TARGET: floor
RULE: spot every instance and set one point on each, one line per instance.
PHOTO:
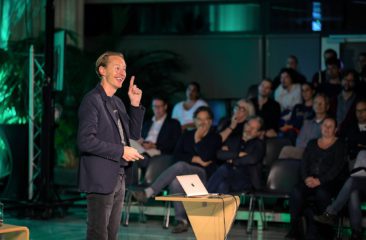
(72, 227)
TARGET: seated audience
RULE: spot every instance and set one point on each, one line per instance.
(302, 111)
(331, 86)
(293, 63)
(355, 133)
(183, 111)
(159, 134)
(352, 192)
(311, 128)
(196, 154)
(322, 167)
(242, 158)
(267, 108)
(234, 126)
(343, 105)
(288, 94)
(321, 76)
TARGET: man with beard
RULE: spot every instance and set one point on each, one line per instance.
(343, 106)
(242, 157)
(267, 108)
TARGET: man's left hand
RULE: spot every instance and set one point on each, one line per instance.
(134, 93)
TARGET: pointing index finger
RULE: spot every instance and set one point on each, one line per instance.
(132, 81)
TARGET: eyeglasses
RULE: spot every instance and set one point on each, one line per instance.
(360, 110)
(239, 108)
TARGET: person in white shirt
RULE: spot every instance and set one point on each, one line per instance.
(288, 94)
(159, 134)
(183, 111)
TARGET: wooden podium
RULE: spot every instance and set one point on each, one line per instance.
(210, 217)
(12, 232)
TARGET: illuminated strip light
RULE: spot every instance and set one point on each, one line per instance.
(316, 23)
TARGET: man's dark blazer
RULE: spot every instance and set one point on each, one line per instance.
(99, 140)
(168, 136)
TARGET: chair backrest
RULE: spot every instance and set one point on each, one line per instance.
(156, 166)
(284, 175)
(273, 149)
(220, 109)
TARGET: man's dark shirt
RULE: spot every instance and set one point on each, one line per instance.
(168, 136)
(206, 149)
(354, 138)
(270, 112)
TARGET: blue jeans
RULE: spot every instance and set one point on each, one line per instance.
(168, 177)
(105, 212)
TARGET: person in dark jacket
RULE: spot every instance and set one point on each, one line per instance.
(242, 157)
(103, 140)
(322, 173)
(196, 154)
(160, 134)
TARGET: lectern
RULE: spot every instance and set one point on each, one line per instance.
(13, 232)
(211, 217)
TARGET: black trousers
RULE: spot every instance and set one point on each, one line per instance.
(105, 212)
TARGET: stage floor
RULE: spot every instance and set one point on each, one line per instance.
(73, 226)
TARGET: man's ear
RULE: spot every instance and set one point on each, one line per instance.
(101, 71)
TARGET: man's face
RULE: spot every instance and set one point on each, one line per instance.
(306, 92)
(333, 71)
(291, 63)
(328, 56)
(251, 129)
(286, 80)
(203, 120)
(361, 112)
(159, 108)
(192, 92)
(240, 111)
(320, 106)
(328, 128)
(348, 83)
(265, 89)
(115, 72)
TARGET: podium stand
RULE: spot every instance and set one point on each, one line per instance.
(12, 232)
(210, 217)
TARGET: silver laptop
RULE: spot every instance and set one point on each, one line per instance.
(192, 185)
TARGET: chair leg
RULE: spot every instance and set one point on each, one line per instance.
(262, 212)
(339, 228)
(126, 215)
(142, 217)
(251, 214)
(167, 215)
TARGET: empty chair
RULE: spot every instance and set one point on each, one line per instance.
(273, 149)
(283, 176)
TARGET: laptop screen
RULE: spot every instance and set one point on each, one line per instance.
(192, 185)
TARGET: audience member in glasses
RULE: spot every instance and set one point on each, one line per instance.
(322, 173)
(183, 111)
(196, 154)
(267, 108)
(232, 127)
(160, 134)
(242, 159)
